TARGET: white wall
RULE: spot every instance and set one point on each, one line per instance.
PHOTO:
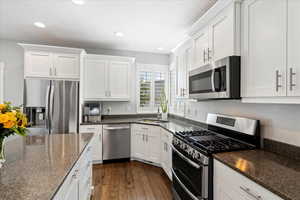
(12, 56)
(141, 58)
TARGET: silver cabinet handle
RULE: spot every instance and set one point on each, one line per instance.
(204, 56)
(208, 53)
(55, 71)
(50, 71)
(277, 80)
(146, 138)
(291, 79)
(248, 191)
(143, 137)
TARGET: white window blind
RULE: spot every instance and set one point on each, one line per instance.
(159, 87)
(145, 89)
(151, 85)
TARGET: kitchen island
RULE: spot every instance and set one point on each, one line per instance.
(36, 167)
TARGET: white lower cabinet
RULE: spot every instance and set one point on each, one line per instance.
(96, 141)
(166, 152)
(78, 183)
(145, 143)
(230, 185)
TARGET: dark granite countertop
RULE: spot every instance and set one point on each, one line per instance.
(172, 125)
(276, 173)
(36, 166)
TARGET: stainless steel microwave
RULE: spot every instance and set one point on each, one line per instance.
(223, 81)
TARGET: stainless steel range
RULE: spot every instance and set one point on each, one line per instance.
(192, 153)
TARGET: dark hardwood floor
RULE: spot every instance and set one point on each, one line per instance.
(130, 181)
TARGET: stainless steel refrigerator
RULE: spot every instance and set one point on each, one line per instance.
(52, 106)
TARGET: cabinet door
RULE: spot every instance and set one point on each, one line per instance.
(153, 145)
(293, 69)
(222, 33)
(96, 142)
(200, 47)
(66, 65)
(38, 64)
(180, 74)
(139, 145)
(95, 75)
(264, 48)
(118, 80)
(72, 192)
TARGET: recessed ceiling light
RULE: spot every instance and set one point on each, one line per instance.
(40, 24)
(160, 48)
(119, 34)
(78, 2)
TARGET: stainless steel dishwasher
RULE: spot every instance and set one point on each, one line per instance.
(116, 141)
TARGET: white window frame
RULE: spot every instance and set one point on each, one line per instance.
(151, 68)
(1, 82)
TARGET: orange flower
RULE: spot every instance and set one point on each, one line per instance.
(2, 107)
(9, 124)
(4, 118)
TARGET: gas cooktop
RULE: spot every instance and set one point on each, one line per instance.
(211, 142)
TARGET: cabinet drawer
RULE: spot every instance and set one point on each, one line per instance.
(90, 129)
(231, 180)
(141, 127)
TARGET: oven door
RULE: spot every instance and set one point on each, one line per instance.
(190, 179)
(202, 83)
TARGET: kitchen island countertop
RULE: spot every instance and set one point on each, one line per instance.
(36, 166)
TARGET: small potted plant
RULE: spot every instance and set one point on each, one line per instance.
(164, 106)
(12, 121)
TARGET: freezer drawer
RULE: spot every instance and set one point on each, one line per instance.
(116, 141)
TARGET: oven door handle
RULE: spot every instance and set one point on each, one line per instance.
(195, 165)
(183, 186)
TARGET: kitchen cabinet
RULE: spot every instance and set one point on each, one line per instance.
(200, 48)
(264, 48)
(230, 185)
(270, 64)
(145, 143)
(49, 62)
(216, 35)
(183, 64)
(293, 60)
(66, 65)
(78, 184)
(96, 142)
(107, 78)
(166, 152)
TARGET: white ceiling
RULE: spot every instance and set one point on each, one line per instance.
(147, 24)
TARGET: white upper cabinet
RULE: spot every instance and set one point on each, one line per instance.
(200, 48)
(270, 46)
(183, 64)
(216, 34)
(264, 48)
(293, 66)
(107, 78)
(225, 32)
(66, 65)
(94, 81)
(50, 62)
(119, 74)
(38, 64)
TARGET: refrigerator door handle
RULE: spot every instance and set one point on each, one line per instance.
(51, 99)
(47, 108)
